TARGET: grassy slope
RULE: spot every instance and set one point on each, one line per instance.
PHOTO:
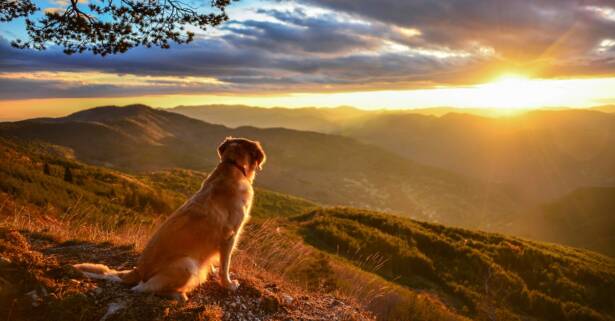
(103, 194)
(400, 269)
(481, 274)
(544, 153)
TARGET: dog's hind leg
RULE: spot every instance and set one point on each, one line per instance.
(175, 280)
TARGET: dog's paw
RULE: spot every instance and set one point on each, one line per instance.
(231, 285)
(180, 297)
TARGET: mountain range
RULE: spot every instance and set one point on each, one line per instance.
(329, 169)
(543, 153)
(497, 174)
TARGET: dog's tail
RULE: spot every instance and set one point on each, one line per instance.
(103, 272)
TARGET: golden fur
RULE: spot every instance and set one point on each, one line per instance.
(178, 256)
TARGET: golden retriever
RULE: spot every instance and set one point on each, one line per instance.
(178, 256)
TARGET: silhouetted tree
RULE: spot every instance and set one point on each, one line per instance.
(46, 169)
(112, 26)
(68, 175)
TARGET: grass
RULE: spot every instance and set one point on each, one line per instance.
(483, 275)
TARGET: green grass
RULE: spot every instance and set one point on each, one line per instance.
(102, 194)
(481, 274)
(98, 194)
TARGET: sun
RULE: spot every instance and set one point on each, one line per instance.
(510, 91)
(511, 81)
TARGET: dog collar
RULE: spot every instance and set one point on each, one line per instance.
(239, 167)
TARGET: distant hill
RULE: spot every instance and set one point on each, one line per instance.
(484, 276)
(544, 153)
(328, 169)
(324, 120)
(605, 108)
(583, 218)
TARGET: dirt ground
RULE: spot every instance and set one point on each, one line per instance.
(37, 282)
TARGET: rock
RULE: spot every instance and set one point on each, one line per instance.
(269, 304)
(34, 298)
(287, 299)
(112, 309)
(5, 261)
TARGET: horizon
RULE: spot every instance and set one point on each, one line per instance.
(437, 111)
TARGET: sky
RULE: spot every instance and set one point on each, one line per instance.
(364, 53)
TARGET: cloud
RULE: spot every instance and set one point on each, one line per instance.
(341, 45)
(519, 30)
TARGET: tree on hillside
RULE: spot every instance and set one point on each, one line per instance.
(111, 26)
(68, 175)
(46, 169)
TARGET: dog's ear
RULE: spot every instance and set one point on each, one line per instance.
(258, 155)
(224, 145)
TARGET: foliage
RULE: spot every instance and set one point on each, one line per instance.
(112, 26)
(482, 274)
(11, 9)
(99, 193)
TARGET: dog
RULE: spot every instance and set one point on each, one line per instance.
(178, 256)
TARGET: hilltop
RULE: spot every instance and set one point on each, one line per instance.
(323, 168)
(297, 259)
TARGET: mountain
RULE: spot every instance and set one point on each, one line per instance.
(545, 154)
(328, 169)
(324, 120)
(583, 218)
(605, 108)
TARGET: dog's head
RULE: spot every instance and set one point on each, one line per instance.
(245, 152)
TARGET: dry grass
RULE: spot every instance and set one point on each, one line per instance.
(265, 246)
(70, 226)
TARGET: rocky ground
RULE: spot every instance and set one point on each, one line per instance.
(37, 282)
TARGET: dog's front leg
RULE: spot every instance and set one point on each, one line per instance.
(226, 250)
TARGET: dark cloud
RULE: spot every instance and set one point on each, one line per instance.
(518, 30)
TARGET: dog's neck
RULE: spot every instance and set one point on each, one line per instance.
(239, 167)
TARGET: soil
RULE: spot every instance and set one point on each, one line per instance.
(38, 282)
